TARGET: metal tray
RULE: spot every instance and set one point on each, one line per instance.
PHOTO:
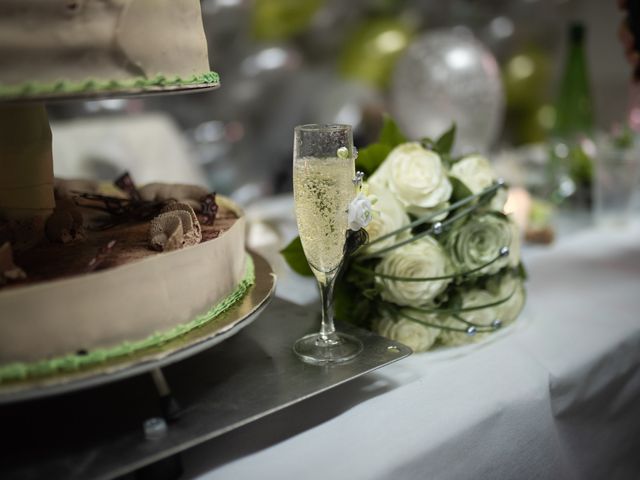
(97, 433)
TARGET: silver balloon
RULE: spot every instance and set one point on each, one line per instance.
(445, 76)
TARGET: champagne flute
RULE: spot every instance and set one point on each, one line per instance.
(323, 188)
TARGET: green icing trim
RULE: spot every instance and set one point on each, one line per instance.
(73, 362)
(93, 85)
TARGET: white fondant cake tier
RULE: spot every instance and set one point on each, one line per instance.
(126, 303)
(69, 42)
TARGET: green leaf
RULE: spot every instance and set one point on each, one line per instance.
(454, 160)
(460, 190)
(370, 158)
(294, 256)
(391, 134)
(455, 301)
(522, 271)
(445, 142)
(350, 306)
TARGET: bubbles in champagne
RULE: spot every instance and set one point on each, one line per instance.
(322, 190)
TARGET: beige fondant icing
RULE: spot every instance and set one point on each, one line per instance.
(125, 303)
(48, 41)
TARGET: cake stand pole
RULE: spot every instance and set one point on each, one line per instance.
(170, 407)
(26, 167)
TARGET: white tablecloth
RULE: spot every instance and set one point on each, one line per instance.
(558, 397)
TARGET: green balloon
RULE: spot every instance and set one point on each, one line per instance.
(371, 51)
(533, 124)
(526, 77)
(281, 19)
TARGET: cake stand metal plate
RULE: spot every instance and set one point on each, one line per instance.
(217, 330)
(115, 93)
(97, 433)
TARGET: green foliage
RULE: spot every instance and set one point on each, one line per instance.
(351, 306)
(356, 295)
(444, 144)
(370, 157)
(460, 190)
(294, 256)
(390, 133)
(522, 271)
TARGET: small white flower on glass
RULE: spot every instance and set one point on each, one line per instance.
(360, 212)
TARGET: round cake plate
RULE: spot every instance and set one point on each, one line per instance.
(116, 93)
(217, 330)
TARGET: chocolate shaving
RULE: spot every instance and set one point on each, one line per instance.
(125, 183)
(101, 256)
(122, 210)
(209, 209)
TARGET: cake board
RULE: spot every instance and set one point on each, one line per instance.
(123, 92)
(215, 331)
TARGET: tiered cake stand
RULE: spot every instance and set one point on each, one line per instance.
(200, 388)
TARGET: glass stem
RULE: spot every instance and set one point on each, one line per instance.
(327, 329)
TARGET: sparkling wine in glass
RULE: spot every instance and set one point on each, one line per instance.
(323, 188)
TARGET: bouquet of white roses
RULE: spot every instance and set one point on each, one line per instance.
(441, 264)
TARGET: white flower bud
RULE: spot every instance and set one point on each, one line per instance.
(359, 213)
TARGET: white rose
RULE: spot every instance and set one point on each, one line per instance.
(415, 176)
(359, 214)
(419, 338)
(478, 242)
(380, 177)
(476, 173)
(483, 316)
(388, 216)
(421, 258)
(508, 311)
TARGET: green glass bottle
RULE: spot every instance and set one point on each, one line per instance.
(570, 159)
(574, 107)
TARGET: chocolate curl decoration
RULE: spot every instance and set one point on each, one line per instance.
(125, 183)
(209, 209)
(101, 256)
(122, 210)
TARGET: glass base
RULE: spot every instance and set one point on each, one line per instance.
(319, 350)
